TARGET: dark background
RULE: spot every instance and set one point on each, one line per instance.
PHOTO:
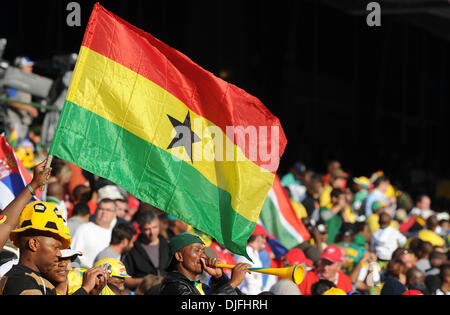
(375, 98)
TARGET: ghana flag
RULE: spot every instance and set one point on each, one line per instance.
(146, 117)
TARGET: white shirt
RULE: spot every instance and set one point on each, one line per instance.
(440, 292)
(253, 283)
(385, 241)
(90, 239)
(298, 192)
(375, 273)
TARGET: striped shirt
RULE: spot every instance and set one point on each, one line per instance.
(21, 280)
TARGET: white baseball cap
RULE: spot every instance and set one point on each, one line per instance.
(70, 253)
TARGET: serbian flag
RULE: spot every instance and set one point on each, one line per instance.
(279, 218)
(13, 175)
(149, 119)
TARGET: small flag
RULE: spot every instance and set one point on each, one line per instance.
(13, 175)
(280, 219)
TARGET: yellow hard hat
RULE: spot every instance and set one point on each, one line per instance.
(117, 267)
(335, 291)
(42, 216)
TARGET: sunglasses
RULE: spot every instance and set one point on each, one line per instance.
(403, 252)
(71, 258)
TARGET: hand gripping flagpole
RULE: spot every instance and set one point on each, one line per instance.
(47, 165)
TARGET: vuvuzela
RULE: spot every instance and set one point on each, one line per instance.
(294, 273)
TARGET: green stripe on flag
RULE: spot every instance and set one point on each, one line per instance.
(150, 174)
(270, 218)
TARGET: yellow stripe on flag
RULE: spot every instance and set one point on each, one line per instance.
(127, 99)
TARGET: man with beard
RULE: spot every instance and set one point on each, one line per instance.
(122, 241)
(188, 261)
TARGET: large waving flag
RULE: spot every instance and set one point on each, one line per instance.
(279, 218)
(13, 175)
(146, 117)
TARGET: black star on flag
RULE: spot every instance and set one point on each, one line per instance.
(185, 137)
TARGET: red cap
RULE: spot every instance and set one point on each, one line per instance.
(259, 230)
(297, 256)
(413, 292)
(332, 253)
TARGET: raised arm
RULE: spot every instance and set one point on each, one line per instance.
(14, 209)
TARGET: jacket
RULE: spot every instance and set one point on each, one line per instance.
(138, 264)
(177, 284)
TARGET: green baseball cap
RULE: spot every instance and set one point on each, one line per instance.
(378, 205)
(359, 240)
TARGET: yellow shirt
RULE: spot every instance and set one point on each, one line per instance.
(350, 215)
(107, 291)
(299, 209)
(325, 197)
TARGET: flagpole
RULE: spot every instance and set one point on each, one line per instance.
(47, 165)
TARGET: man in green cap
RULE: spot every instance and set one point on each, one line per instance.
(188, 261)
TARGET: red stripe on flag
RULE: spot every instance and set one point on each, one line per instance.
(208, 96)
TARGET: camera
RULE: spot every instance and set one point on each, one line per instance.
(13, 77)
(49, 91)
(107, 267)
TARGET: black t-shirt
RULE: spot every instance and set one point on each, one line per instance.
(310, 204)
(393, 287)
(21, 280)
